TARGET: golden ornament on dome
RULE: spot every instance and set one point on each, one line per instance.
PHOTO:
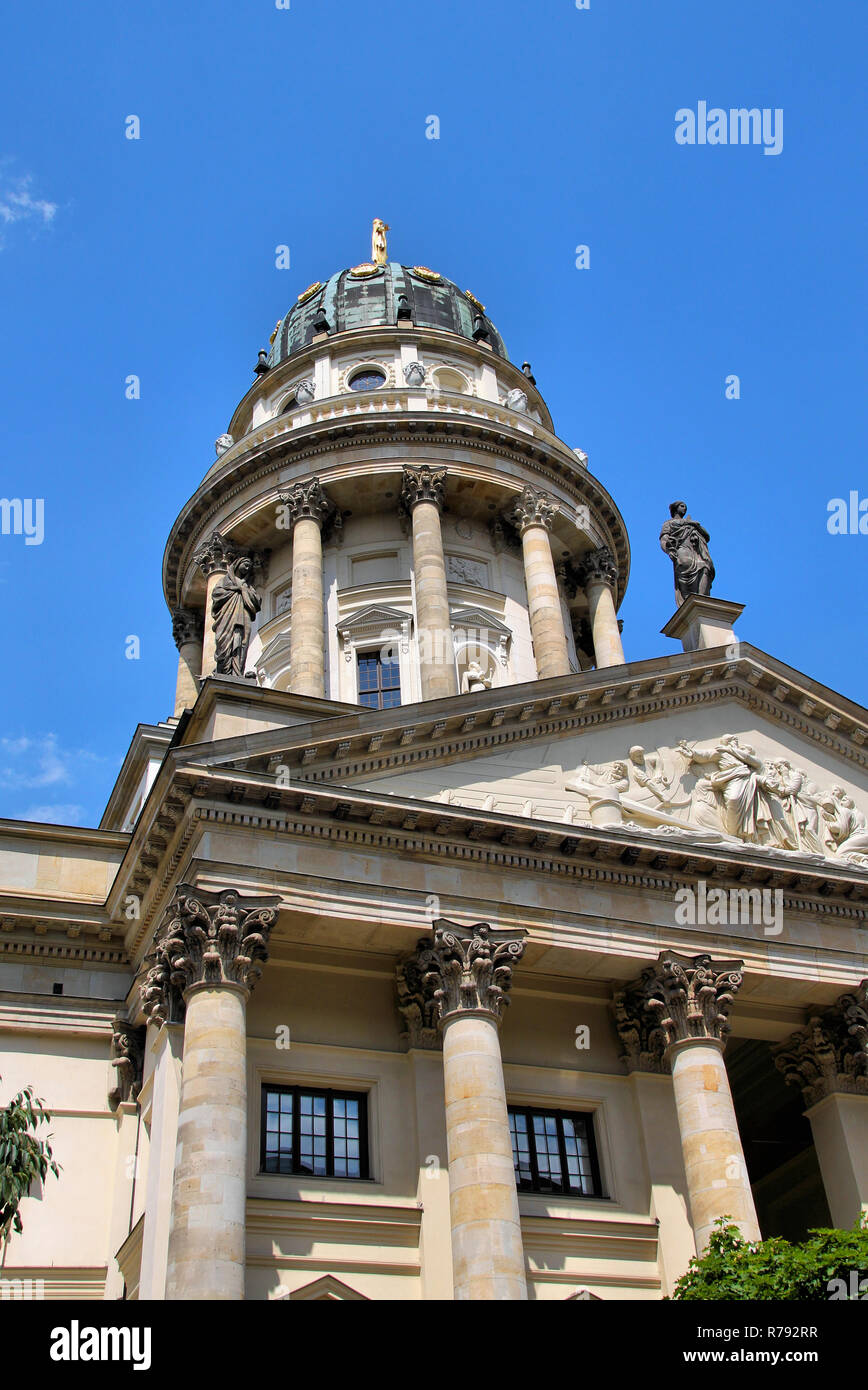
(366, 268)
(473, 300)
(425, 274)
(311, 289)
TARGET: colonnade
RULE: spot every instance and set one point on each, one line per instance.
(456, 985)
(307, 509)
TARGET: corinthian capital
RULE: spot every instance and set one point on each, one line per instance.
(598, 567)
(207, 939)
(128, 1056)
(305, 501)
(638, 1027)
(467, 969)
(830, 1054)
(532, 508)
(422, 484)
(187, 626)
(690, 996)
(215, 555)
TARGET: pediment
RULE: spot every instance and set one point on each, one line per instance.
(374, 618)
(794, 782)
(328, 1289)
(476, 618)
(718, 775)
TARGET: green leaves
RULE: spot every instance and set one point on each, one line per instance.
(24, 1157)
(733, 1268)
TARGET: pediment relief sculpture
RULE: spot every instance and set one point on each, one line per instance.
(725, 791)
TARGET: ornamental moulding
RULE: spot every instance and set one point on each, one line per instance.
(459, 970)
(206, 939)
(554, 466)
(678, 999)
(829, 1055)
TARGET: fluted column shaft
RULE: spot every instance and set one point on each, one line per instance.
(679, 1011)
(487, 1251)
(532, 514)
(209, 1193)
(308, 508)
(422, 496)
(188, 632)
(714, 1162)
(207, 958)
(600, 578)
(466, 973)
(307, 657)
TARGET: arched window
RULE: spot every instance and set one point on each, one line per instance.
(368, 379)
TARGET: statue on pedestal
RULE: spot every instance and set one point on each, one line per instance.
(233, 609)
(686, 544)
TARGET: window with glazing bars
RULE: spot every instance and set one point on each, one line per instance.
(379, 681)
(314, 1132)
(554, 1151)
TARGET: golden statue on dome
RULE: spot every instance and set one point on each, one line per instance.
(379, 254)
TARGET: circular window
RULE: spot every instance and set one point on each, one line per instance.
(368, 379)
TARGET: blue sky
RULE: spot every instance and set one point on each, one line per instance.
(261, 127)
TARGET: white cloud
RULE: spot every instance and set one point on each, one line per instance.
(40, 762)
(62, 813)
(17, 203)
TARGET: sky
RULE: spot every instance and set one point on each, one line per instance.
(262, 126)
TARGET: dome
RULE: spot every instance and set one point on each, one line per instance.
(369, 296)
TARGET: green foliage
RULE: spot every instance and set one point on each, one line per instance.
(23, 1156)
(734, 1268)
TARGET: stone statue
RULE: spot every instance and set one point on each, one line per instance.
(378, 242)
(847, 826)
(222, 443)
(233, 609)
(647, 774)
(475, 678)
(738, 780)
(686, 544)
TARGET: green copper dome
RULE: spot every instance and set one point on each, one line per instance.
(370, 296)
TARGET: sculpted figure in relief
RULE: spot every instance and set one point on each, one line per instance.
(234, 607)
(848, 827)
(475, 678)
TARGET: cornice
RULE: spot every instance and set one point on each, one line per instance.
(367, 744)
(551, 461)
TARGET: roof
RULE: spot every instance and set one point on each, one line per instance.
(369, 295)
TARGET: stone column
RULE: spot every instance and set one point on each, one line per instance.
(600, 578)
(210, 949)
(188, 632)
(532, 515)
(650, 1082)
(828, 1061)
(466, 972)
(308, 509)
(422, 496)
(688, 999)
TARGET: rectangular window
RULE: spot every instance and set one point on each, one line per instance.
(553, 1151)
(379, 681)
(316, 1133)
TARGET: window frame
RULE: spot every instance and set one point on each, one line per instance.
(535, 1189)
(331, 1094)
(362, 653)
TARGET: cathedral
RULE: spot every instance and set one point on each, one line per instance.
(434, 947)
